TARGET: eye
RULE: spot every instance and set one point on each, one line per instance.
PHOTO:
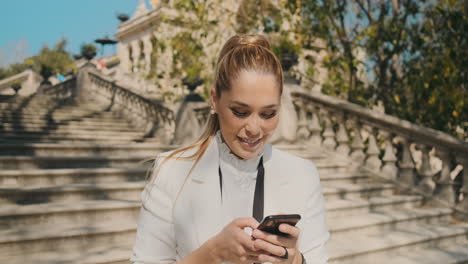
(238, 113)
(268, 115)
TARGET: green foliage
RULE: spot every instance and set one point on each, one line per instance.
(285, 46)
(187, 52)
(435, 71)
(88, 51)
(47, 62)
(409, 55)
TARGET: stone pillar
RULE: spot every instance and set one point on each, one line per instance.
(406, 164)
(427, 184)
(462, 207)
(342, 136)
(328, 134)
(389, 169)
(357, 147)
(373, 162)
(148, 47)
(444, 190)
(315, 128)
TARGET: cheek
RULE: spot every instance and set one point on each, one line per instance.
(228, 121)
(271, 124)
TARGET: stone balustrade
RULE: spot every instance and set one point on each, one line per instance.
(157, 120)
(62, 90)
(202, 114)
(386, 146)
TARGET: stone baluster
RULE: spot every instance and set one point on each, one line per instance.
(372, 162)
(328, 134)
(444, 189)
(427, 184)
(314, 127)
(406, 164)
(342, 136)
(302, 131)
(462, 207)
(389, 169)
(357, 146)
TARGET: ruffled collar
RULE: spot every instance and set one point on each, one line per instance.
(227, 157)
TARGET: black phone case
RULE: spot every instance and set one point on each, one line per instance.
(271, 223)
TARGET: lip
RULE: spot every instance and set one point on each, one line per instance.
(249, 143)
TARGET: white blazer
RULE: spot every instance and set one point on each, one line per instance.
(172, 225)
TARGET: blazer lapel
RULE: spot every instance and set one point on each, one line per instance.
(206, 203)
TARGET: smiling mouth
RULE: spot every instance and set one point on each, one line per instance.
(250, 142)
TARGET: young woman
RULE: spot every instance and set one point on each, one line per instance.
(199, 204)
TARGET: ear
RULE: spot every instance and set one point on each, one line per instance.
(213, 98)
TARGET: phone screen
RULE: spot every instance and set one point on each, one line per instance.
(271, 223)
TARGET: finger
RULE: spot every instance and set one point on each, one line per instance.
(246, 222)
(272, 249)
(288, 241)
(289, 229)
(269, 258)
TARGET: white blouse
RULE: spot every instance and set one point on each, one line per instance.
(238, 182)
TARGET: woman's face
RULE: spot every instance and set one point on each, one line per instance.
(248, 113)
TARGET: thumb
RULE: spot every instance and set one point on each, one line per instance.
(246, 222)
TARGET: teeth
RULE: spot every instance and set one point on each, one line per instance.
(250, 141)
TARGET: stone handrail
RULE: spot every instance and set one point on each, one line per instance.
(385, 145)
(61, 90)
(157, 120)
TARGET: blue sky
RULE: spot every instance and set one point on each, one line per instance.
(26, 25)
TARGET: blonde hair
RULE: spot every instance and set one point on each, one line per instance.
(240, 52)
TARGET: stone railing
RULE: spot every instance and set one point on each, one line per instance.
(62, 90)
(386, 146)
(157, 120)
(202, 114)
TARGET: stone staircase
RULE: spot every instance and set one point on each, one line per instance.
(71, 176)
(370, 222)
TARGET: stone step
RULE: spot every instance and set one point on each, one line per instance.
(82, 212)
(11, 138)
(365, 248)
(91, 161)
(68, 125)
(59, 113)
(350, 207)
(55, 110)
(384, 220)
(351, 191)
(428, 255)
(63, 127)
(66, 238)
(79, 133)
(56, 177)
(111, 255)
(84, 149)
(48, 162)
(128, 191)
(339, 178)
(94, 121)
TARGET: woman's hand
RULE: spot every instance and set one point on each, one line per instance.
(274, 246)
(233, 244)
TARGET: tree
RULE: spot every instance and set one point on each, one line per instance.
(403, 45)
(47, 62)
(88, 51)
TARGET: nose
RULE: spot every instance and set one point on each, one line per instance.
(253, 126)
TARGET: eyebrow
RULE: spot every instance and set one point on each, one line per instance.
(246, 105)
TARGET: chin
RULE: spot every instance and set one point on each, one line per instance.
(249, 150)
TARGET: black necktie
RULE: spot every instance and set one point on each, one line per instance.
(258, 195)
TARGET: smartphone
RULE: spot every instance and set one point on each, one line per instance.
(271, 223)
